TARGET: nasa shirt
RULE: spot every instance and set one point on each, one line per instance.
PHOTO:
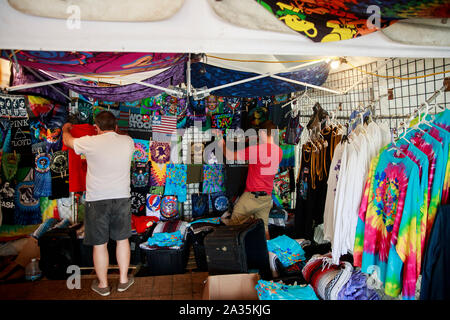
(7, 202)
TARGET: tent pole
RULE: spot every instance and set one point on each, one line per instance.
(306, 84)
(51, 86)
(167, 90)
(261, 75)
(188, 76)
(40, 84)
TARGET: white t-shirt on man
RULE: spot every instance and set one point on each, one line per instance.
(108, 157)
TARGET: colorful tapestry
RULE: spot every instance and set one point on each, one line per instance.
(215, 76)
(140, 174)
(175, 75)
(141, 149)
(281, 193)
(27, 210)
(199, 205)
(42, 176)
(159, 152)
(232, 104)
(222, 121)
(214, 104)
(157, 174)
(83, 62)
(176, 181)
(169, 208)
(219, 203)
(39, 105)
(213, 178)
(153, 206)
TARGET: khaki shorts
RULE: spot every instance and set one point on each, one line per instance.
(249, 206)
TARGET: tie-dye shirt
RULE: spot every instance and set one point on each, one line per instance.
(443, 137)
(390, 223)
(436, 171)
(421, 160)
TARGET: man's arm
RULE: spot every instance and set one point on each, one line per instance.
(67, 136)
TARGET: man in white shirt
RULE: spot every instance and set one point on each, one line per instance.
(108, 216)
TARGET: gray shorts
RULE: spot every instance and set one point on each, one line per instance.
(107, 219)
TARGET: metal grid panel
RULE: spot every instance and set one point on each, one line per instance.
(408, 95)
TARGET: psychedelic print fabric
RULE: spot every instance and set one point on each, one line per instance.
(141, 150)
(140, 174)
(157, 174)
(390, 235)
(213, 178)
(323, 21)
(153, 205)
(159, 152)
(83, 62)
(176, 181)
(281, 193)
(169, 208)
(199, 205)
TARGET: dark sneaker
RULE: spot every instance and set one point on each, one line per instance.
(101, 291)
(124, 286)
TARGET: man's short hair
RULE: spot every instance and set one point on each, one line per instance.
(105, 120)
(268, 126)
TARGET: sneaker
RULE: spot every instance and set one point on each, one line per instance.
(101, 291)
(124, 286)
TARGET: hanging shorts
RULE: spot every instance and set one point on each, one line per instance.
(107, 219)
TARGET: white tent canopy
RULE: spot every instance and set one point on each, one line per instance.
(195, 27)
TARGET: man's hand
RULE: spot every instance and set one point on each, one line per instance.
(67, 136)
(67, 127)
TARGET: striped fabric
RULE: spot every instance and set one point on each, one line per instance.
(164, 124)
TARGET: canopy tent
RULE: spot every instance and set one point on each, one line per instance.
(195, 27)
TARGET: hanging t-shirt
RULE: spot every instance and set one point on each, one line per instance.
(7, 202)
(390, 236)
(59, 171)
(333, 177)
(78, 164)
(433, 149)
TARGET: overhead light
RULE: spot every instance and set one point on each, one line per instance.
(335, 64)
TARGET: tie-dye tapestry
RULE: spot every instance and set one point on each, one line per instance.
(83, 62)
(325, 21)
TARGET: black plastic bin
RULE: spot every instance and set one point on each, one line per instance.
(238, 249)
(167, 261)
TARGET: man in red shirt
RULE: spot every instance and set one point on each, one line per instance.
(264, 159)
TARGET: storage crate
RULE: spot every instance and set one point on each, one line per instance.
(167, 261)
(238, 249)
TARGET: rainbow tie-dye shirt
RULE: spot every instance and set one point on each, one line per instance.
(389, 227)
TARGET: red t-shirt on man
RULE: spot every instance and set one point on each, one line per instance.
(264, 160)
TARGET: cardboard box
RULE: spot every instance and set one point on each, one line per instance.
(239, 286)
